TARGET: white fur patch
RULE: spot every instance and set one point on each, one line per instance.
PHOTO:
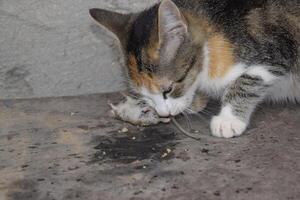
(156, 101)
(285, 89)
(226, 125)
(178, 105)
(170, 106)
(262, 72)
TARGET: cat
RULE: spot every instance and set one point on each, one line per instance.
(242, 52)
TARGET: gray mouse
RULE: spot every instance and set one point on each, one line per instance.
(137, 112)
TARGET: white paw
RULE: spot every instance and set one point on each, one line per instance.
(227, 125)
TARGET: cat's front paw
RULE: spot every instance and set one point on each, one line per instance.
(227, 125)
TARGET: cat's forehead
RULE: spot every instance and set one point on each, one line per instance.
(139, 77)
(143, 38)
(141, 28)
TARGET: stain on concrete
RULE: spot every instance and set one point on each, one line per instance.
(14, 80)
(23, 190)
(98, 126)
(150, 143)
(17, 73)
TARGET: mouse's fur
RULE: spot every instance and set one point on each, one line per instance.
(137, 112)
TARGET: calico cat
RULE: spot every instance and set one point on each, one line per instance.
(240, 51)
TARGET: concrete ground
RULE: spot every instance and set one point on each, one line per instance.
(70, 148)
(53, 48)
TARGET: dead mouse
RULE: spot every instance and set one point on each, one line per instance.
(137, 112)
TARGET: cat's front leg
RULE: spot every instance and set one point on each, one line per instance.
(239, 101)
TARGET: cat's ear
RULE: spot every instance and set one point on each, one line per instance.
(115, 22)
(172, 29)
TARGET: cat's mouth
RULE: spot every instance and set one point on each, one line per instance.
(169, 108)
(164, 113)
(165, 116)
(168, 112)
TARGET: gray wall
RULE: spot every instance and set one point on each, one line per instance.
(53, 48)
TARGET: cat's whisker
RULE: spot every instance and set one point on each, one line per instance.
(189, 110)
(213, 109)
(203, 118)
(207, 112)
(185, 132)
(188, 120)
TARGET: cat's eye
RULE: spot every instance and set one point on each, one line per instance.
(167, 91)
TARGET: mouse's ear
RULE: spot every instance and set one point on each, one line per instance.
(115, 22)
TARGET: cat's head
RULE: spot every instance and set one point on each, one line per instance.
(164, 55)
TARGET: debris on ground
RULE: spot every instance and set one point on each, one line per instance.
(124, 130)
(166, 153)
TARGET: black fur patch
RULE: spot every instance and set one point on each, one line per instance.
(140, 33)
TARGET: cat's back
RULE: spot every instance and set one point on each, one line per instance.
(237, 8)
(243, 14)
(263, 31)
(234, 16)
(273, 32)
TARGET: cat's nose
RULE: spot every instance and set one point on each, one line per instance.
(162, 110)
(164, 114)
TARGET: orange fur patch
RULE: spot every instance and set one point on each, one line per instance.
(153, 53)
(221, 56)
(199, 27)
(153, 46)
(140, 78)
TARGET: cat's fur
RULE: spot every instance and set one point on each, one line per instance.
(241, 51)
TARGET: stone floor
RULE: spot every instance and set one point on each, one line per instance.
(70, 148)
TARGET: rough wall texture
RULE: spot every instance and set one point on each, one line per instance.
(53, 48)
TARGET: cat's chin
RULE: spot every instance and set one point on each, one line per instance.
(171, 112)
